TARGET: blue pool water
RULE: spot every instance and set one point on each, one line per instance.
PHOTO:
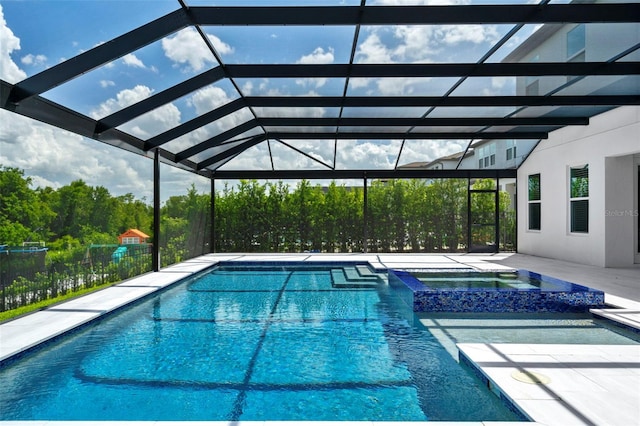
(254, 344)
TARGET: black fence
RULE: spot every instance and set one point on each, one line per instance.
(30, 276)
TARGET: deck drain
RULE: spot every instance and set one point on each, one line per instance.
(530, 377)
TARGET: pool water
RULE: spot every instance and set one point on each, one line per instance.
(521, 280)
(251, 344)
(542, 328)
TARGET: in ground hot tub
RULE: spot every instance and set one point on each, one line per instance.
(518, 291)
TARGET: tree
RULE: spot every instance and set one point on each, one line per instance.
(73, 209)
(275, 215)
(23, 215)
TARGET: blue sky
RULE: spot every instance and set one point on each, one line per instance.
(35, 35)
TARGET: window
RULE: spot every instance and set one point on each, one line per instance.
(511, 150)
(534, 202)
(487, 155)
(579, 198)
(131, 240)
(533, 88)
(576, 41)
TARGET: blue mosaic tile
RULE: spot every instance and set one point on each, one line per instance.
(543, 294)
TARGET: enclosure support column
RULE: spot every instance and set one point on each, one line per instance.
(515, 208)
(212, 236)
(469, 215)
(155, 259)
(365, 241)
(497, 209)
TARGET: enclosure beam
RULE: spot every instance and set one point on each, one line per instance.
(471, 69)
(442, 101)
(293, 135)
(415, 15)
(419, 121)
(369, 173)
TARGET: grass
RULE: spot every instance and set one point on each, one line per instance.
(23, 310)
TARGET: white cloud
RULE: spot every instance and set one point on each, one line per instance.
(247, 88)
(9, 43)
(133, 61)
(123, 99)
(318, 56)
(209, 98)
(106, 83)
(373, 51)
(456, 34)
(396, 86)
(187, 47)
(147, 125)
(287, 158)
(54, 157)
(429, 150)
(35, 60)
(367, 154)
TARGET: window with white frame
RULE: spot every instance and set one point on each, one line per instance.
(511, 150)
(131, 240)
(579, 198)
(534, 201)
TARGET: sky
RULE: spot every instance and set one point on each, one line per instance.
(35, 35)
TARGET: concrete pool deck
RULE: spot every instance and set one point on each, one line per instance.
(587, 384)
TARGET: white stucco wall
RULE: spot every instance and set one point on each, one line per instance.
(607, 145)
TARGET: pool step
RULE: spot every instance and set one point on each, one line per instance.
(366, 271)
(348, 277)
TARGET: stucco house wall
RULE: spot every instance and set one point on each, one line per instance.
(610, 145)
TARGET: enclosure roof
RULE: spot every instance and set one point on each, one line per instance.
(332, 88)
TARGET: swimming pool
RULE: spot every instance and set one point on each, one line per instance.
(252, 343)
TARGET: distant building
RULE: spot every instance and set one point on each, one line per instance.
(133, 236)
(449, 162)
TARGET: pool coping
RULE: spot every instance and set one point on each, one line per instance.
(30, 331)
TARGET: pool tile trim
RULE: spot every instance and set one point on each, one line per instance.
(566, 297)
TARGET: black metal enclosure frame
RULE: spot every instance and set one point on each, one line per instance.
(26, 97)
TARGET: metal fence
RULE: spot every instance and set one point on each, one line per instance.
(29, 276)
